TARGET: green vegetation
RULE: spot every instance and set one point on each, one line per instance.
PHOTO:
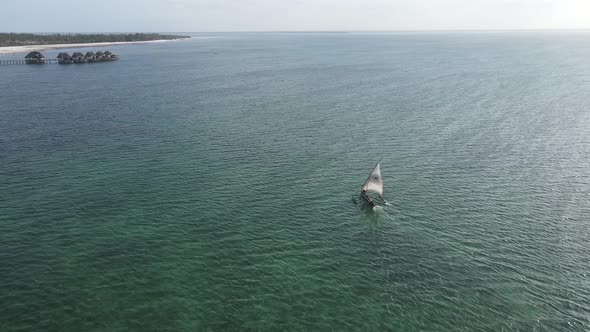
(23, 39)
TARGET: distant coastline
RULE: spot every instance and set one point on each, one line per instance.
(11, 43)
(29, 48)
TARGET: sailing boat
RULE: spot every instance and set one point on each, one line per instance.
(373, 184)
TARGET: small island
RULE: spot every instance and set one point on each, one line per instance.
(26, 39)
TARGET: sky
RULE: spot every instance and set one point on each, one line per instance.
(291, 15)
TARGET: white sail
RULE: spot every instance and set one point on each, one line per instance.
(374, 183)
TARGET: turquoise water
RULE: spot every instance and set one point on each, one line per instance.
(205, 185)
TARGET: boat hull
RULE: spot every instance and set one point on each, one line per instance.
(368, 199)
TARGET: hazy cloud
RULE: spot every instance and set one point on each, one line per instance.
(272, 15)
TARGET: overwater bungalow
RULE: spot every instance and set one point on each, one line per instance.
(108, 56)
(78, 57)
(64, 58)
(90, 57)
(35, 58)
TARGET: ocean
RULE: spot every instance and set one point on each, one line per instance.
(205, 185)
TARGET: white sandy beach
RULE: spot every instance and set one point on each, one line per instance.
(29, 48)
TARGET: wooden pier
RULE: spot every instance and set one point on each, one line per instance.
(36, 58)
(8, 62)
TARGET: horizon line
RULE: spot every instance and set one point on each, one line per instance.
(322, 31)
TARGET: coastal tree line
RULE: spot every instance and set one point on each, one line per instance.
(23, 39)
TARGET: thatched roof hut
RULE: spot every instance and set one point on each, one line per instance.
(108, 53)
(64, 56)
(99, 53)
(78, 57)
(89, 55)
(35, 56)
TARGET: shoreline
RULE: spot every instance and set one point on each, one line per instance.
(29, 48)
